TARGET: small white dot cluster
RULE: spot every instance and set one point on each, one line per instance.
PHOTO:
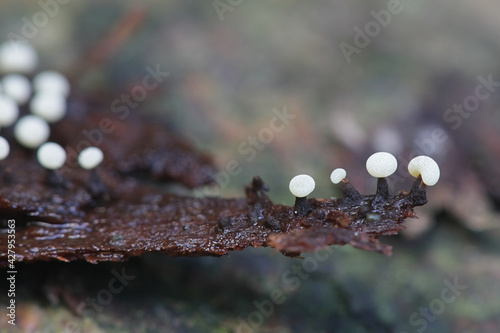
(383, 164)
(46, 95)
(379, 165)
(52, 156)
(51, 90)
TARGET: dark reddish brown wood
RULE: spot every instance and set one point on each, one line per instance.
(135, 217)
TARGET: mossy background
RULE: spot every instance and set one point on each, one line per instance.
(226, 78)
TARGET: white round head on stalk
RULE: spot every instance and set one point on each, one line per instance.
(31, 131)
(51, 81)
(51, 155)
(17, 86)
(302, 185)
(426, 167)
(9, 111)
(4, 148)
(337, 175)
(381, 165)
(90, 158)
(48, 105)
(17, 57)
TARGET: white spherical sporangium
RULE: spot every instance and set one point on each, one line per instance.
(337, 175)
(18, 87)
(302, 185)
(9, 111)
(51, 81)
(17, 57)
(4, 148)
(90, 157)
(50, 106)
(426, 167)
(381, 165)
(31, 131)
(51, 155)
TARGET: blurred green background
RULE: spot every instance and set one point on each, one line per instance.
(232, 66)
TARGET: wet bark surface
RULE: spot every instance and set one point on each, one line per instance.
(118, 210)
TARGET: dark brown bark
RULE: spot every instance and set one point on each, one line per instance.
(67, 221)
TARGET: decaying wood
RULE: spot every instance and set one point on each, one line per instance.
(67, 221)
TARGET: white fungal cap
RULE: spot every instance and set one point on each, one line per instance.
(90, 157)
(9, 111)
(302, 185)
(17, 86)
(31, 131)
(51, 155)
(337, 175)
(426, 167)
(17, 57)
(4, 148)
(381, 165)
(49, 105)
(51, 81)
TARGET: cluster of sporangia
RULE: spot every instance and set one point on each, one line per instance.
(31, 105)
(45, 97)
(379, 165)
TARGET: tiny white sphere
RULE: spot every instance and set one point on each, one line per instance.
(426, 167)
(9, 111)
(381, 165)
(337, 175)
(50, 106)
(31, 131)
(302, 185)
(4, 148)
(51, 155)
(17, 57)
(90, 157)
(17, 86)
(51, 81)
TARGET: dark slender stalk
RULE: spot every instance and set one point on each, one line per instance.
(351, 195)
(418, 195)
(302, 206)
(382, 193)
(98, 190)
(54, 179)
